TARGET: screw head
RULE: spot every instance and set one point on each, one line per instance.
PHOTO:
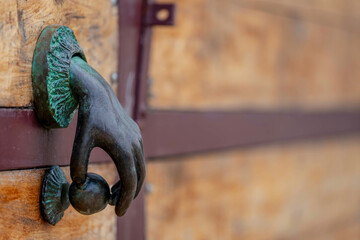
(114, 77)
(114, 2)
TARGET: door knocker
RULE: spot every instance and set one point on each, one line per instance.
(61, 81)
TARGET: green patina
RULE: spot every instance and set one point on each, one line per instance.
(62, 47)
(54, 102)
(54, 198)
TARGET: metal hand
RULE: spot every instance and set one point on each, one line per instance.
(103, 123)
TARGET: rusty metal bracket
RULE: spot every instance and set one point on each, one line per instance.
(160, 14)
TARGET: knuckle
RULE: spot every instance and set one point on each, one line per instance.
(126, 151)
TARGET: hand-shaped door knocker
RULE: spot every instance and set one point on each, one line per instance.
(62, 80)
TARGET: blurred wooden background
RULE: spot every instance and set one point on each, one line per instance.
(270, 54)
(258, 55)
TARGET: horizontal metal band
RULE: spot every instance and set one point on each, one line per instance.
(24, 143)
(168, 133)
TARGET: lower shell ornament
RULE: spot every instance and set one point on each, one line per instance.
(54, 197)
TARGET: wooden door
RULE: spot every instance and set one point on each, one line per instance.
(253, 121)
(249, 134)
(108, 32)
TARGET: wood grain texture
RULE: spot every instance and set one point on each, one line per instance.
(94, 24)
(20, 215)
(262, 55)
(304, 190)
(333, 12)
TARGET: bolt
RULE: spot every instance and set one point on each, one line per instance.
(114, 77)
(114, 2)
(149, 188)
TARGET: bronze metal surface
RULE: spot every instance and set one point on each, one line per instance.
(102, 123)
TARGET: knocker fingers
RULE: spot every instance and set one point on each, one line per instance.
(124, 191)
(83, 144)
(140, 165)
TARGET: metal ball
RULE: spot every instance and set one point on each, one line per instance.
(90, 197)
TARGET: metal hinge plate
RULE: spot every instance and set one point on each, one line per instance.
(160, 14)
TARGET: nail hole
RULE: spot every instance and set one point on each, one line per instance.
(162, 14)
